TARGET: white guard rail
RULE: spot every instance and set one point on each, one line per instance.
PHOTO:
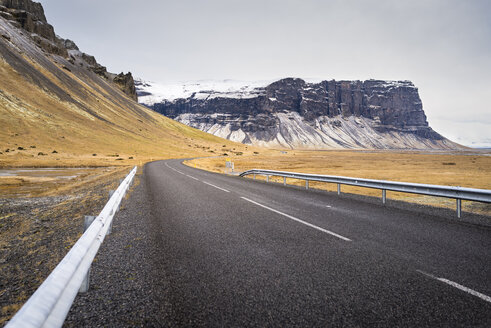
(458, 193)
(49, 305)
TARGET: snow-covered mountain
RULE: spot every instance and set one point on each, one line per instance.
(295, 113)
(150, 93)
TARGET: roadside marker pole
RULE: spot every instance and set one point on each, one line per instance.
(339, 189)
(459, 208)
(384, 196)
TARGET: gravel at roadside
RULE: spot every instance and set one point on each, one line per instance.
(123, 280)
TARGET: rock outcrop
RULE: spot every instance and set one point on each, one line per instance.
(127, 84)
(29, 15)
(294, 113)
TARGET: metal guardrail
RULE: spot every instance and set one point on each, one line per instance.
(458, 193)
(50, 303)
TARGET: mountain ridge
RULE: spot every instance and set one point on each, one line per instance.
(294, 113)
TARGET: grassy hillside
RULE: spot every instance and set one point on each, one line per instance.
(48, 103)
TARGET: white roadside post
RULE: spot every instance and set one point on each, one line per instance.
(229, 166)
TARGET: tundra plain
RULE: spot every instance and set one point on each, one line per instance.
(470, 169)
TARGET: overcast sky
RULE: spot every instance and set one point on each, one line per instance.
(443, 46)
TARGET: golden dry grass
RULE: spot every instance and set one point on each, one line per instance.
(466, 169)
(35, 233)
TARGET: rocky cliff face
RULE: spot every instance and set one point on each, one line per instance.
(294, 113)
(29, 15)
(127, 84)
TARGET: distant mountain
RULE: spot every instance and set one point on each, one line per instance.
(55, 97)
(294, 113)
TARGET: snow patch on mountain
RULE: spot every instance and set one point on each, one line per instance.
(150, 93)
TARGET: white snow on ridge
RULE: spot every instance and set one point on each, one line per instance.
(204, 89)
(208, 89)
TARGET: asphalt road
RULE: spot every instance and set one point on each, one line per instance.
(223, 251)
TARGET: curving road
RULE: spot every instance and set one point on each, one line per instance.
(214, 250)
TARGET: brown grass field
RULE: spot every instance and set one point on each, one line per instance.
(466, 169)
(41, 217)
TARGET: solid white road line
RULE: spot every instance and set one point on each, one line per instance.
(192, 177)
(173, 169)
(458, 286)
(298, 220)
(215, 186)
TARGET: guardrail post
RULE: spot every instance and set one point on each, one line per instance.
(88, 221)
(284, 181)
(84, 288)
(384, 196)
(254, 176)
(459, 208)
(339, 189)
(267, 178)
(111, 192)
(306, 184)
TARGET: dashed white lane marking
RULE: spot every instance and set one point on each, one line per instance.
(192, 177)
(179, 172)
(328, 206)
(215, 186)
(298, 220)
(458, 286)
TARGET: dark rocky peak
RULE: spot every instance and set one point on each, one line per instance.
(70, 45)
(127, 84)
(29, 16)
(35, 9)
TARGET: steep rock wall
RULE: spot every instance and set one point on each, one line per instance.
(388, 108)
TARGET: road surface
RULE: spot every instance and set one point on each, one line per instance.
(214, 250)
